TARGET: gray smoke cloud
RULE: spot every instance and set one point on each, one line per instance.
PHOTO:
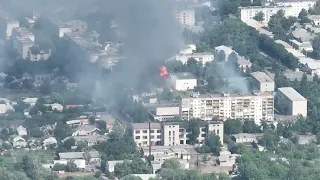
(152, 33)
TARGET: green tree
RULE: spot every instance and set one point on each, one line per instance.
(259, 16)
(166, 94)
(211, 144)
(71, 167)
(270, 140)
(69, 143)
(194, 128)
(232, 126)
(303, 16)
(45, 87)
(171, 164)
(316, 46)
(249, 126)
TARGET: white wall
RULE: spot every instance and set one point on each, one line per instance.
(185, 84)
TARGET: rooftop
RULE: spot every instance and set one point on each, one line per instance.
(311, 63)
(302, 35)
(263, 7)
(183, 75)
(137, 126)
(71, 155)
(292, 94)
(224, 95)
(226, 49)
(261, 77)
(296, 53)
(284, 44)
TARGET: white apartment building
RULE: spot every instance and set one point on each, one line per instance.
(172, 133)
(255, 106)
(183, 81)
(297, 5)
(291, 102)
(186, 17)
(250, 12)
(315, 19)
(200, 57)
(7, 26)
(262, 82)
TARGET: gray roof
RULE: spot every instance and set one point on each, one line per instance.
(94, 154)
(183, 75)
(137, 126)
(261, 77)
(71, 155)
(292, 94)
(87, 127)
(302, 35)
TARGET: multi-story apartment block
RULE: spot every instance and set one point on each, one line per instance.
(250, 12)
(291, 102)
(262, 82)
(172, 133)
(186, 17)
(255, 106)
(297, 5)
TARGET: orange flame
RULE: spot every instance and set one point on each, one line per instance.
(163, 72)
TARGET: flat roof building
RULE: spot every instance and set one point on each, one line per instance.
(223, 106)
(262, 82)
(291, 102)
(173, 133)
(183, 81)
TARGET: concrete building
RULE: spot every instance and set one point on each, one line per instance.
(172, 133)
(186, 17)
(262, 82)
(291, 102)
(297, 5)
(250, 12)
(243, 64)
(164, 111)
(183, 81)
(221, 53)
(7, 25)
(200, 57)
(315, 19)
(255, 106)
(246, 137)
(312, 65)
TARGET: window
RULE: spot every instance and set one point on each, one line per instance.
(181, 130)
(203, 135)
(137, 137)
(145, 137)
(152, 137)
(158, 131)
(217, 131)
(159, 137)
(137, 131)
(152, 131)
(169, 133)
(145, 131)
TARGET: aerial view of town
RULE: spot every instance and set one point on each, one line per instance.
(159, 89)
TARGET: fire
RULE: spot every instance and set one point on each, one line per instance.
(163, 72)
